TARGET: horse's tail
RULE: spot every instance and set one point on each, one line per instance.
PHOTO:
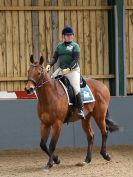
(111, 125)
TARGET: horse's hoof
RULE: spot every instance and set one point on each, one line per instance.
(106, 156)
(56, 160)
(81, 164)
(48, 166)
(87, 161)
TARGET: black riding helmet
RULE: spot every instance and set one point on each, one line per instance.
(67, 30)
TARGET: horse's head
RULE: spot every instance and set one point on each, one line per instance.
(35, 74)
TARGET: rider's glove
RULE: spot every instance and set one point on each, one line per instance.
(48, 68)
(66, 71)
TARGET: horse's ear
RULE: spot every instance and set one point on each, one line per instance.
(41, 60)
(31, 59)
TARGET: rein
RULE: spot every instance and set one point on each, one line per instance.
(39, 84)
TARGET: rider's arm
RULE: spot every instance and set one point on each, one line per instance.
(54, 59)
(75, 57)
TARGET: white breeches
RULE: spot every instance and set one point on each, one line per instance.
(73, 76)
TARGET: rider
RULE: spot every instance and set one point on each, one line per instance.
(68, 53)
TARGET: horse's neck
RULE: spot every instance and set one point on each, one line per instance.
(47, 91)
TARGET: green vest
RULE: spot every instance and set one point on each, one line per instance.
(65, 53)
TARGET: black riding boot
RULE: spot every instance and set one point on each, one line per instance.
(80, 106)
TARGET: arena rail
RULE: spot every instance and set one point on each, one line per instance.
(53, 8)
(4, 95)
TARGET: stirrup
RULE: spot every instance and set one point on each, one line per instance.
(81, 114)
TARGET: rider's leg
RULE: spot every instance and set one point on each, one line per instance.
(80, 106)
(74, 78)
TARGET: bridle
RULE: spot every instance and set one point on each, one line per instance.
(39, 83)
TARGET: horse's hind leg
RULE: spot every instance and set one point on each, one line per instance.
(86, 124)
(104, 133)
(100, 120)
(45, 130)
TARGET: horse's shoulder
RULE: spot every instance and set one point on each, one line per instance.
(59, 88)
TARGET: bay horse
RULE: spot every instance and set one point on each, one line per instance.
(53, 108)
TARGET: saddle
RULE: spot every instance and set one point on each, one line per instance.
(85, 93)
(70, 90)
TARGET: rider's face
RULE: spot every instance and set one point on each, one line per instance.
(68, 38)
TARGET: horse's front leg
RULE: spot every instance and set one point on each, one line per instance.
(45, 130)
(56, 128)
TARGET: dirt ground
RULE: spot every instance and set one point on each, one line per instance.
(30, 163)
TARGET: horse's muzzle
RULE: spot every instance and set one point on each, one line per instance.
(29, 91)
